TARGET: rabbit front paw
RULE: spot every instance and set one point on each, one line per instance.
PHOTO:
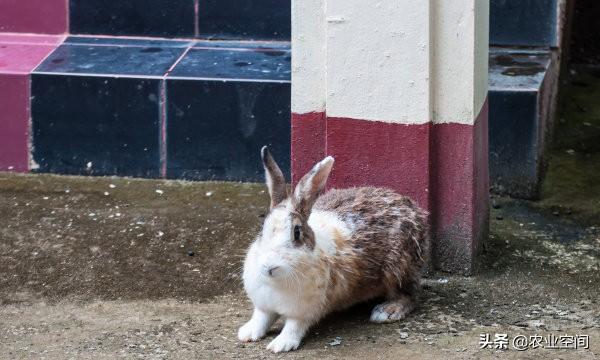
(251, 332)
(257, 327)
(283, 343)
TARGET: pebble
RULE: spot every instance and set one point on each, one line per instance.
(191, 253)
(335, 342)
(403, 334)
(159, 192)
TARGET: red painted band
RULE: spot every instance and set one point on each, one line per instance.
(308, 142)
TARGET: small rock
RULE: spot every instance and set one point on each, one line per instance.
(335, 342)
(556, 213)
(191, 253)
(403, 334)
(159, 192)
(495, 205)
(209, 193)
(536, 323)
(112, 186)
(570, 152)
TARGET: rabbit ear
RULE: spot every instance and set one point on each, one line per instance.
(311, 186)
(274, 178)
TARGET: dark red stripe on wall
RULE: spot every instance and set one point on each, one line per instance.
(380, 154)
(460, 192)
(308, 142)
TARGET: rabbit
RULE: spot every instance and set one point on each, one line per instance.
(322, 253)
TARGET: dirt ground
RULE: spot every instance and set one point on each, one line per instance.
(103, 268)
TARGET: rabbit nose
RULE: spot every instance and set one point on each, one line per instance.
(271, 270)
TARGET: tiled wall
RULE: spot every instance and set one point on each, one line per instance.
(112, 105)
(161, 108)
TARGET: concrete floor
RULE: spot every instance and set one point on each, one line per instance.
(103, 268)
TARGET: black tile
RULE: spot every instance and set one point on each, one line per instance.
(513, 141)
(167, 18)
(258, 63)
(245, 19)
(95, 125)
(127, 41)
(524, 22)
(216, 129)
(102, 59)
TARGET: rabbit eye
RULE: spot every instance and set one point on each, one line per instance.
(297, 233)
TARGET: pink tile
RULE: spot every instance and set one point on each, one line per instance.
(21, 57)
(34, 16)
(14, 122)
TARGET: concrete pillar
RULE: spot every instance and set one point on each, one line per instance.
(396, 91)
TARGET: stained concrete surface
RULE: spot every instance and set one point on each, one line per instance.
(103, 268)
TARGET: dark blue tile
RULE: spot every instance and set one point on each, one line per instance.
(216, 129)
(524, 22)
(101, 59)
(167, 18)
(513, 139)
(245, 19)
(95, 125)
(127, 41)
(520, 82)
(258, 64)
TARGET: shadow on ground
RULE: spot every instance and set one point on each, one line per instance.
(101, 268)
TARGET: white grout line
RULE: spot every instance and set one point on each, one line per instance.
(227, 79)
(177, 39)
(178, 61)
(116, 76)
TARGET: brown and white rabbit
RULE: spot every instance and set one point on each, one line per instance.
(318, 254)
